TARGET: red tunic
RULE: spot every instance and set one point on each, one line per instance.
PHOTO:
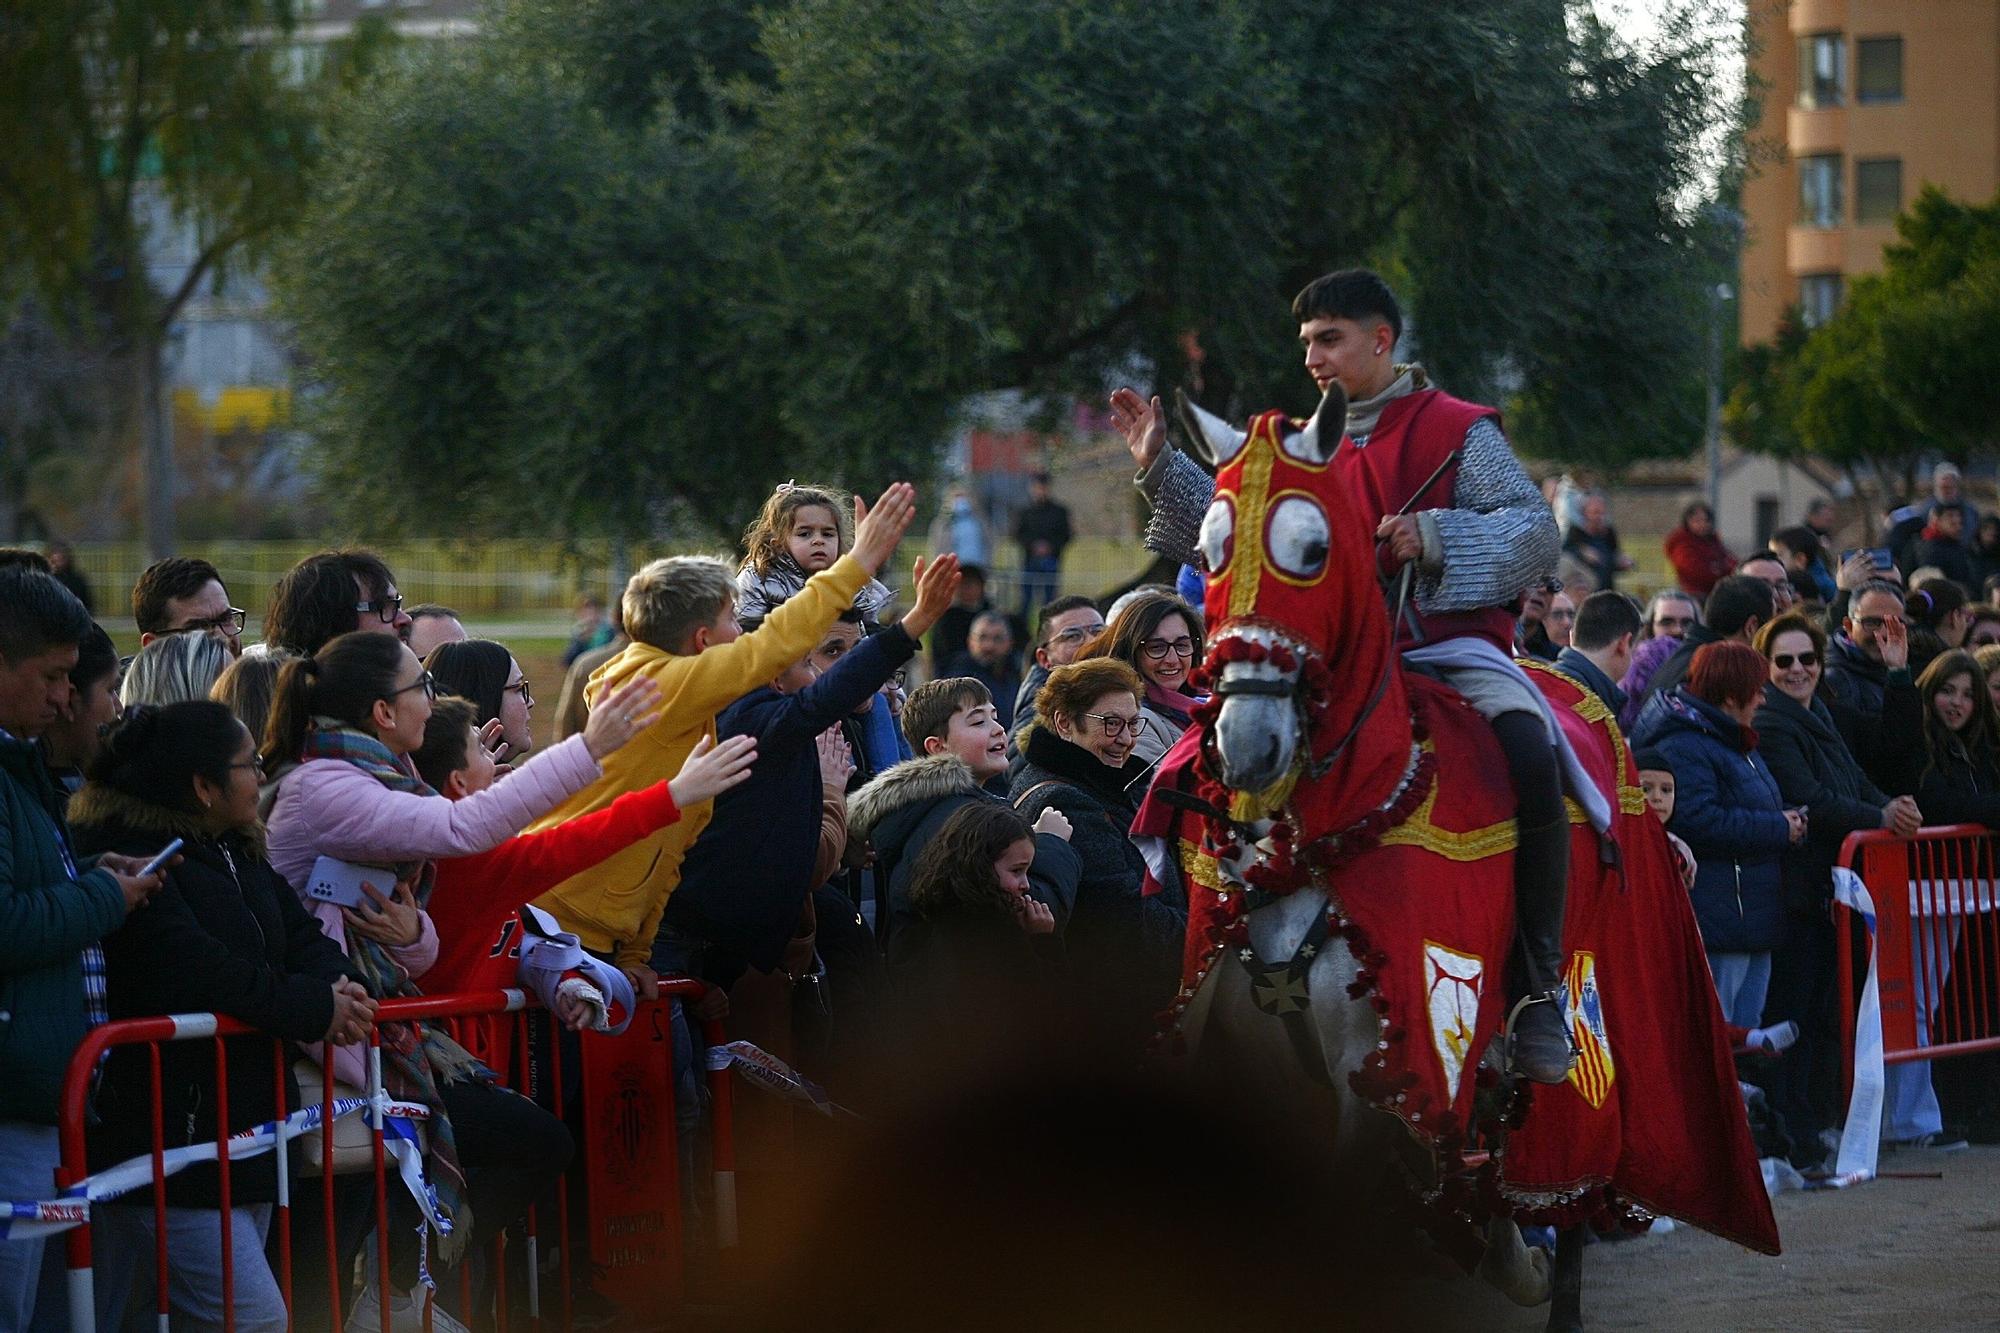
(1411, 441)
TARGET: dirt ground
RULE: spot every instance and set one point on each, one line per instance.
(1894, 1254)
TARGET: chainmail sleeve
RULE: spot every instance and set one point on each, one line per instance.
(1180, 491)
(1497, 539)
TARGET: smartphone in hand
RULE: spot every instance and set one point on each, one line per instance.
(159, 862)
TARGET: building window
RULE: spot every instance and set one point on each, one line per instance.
(1819, 297)
(1878, 72)
(1819, 190)
(1822, 69)
(1878, 189)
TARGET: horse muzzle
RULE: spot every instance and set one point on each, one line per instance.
(1256, 728)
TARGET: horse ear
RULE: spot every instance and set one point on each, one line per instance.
(1217, 439)
(1322, 434)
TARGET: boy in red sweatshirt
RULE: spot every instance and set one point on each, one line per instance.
(475, 903)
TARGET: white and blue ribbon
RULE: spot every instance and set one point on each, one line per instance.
(35, 1218)
(1860, 1137)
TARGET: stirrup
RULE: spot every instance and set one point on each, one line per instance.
(1549, 997)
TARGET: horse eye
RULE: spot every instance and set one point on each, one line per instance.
(1218, 534)
(1297, 537)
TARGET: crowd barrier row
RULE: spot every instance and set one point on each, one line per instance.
(624, 1127)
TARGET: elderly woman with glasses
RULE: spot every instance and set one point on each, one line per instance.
(1816, 771)
(1159, 636)
(1123, 947)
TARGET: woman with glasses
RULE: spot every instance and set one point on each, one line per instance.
(1159, 636)
(487, 674)
(1956, 772)
(225, 935)
(1123, 947)
(340, 783)
(1816, 772)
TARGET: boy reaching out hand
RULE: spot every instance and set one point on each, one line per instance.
(681, 615)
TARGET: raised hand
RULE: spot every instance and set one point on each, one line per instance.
(1893, 639)
(1142, 423)
(621, 715)
(935, 583)
(877, 530)
(836, 759)
(712, 769)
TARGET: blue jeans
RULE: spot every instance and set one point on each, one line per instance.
(1040, 577)
(28, 1158)
(1741, 979)
(124, 1258)
(1912, 1108)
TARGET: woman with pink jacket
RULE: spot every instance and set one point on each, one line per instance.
(343, 724)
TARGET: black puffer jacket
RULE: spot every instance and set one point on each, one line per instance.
(1124, 949)
(227, 936)
(902, 810)
(1806, 754)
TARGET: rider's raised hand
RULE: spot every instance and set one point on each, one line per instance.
(1142, 423)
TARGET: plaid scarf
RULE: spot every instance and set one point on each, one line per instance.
(417, 1059)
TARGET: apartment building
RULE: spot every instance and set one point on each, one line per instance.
(1864, 103)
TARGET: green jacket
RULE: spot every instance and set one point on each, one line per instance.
(46, 920)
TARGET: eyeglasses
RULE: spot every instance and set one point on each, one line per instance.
(1075, 633)
(527, 695)
(425, 682)
(1786, 661)
(1114, 725)
(1875, 623)
(1560, 613)
(229, 622)
(1157, 649)
(387, 607)
(257, 763)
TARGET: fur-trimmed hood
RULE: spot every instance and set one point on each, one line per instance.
(101, 814)
(919, 781)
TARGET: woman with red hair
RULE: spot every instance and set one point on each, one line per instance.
(1728, 810)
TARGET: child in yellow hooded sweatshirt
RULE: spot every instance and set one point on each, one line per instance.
(681, 615)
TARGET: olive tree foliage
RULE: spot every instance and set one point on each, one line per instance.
(631, 255)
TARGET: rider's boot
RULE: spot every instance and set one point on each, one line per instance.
(1538, 1039)
(1539, 1044)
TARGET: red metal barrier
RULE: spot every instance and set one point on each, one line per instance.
(1936, 945)
(455, 1012)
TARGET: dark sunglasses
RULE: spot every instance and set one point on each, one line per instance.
(1785, 661)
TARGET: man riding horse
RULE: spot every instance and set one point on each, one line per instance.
(1438, 478)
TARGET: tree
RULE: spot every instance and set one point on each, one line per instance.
(574, 245)
(125, 116)
(1909, 365)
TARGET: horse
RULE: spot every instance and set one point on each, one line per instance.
(1325, 797)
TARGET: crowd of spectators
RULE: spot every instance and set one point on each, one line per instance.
(746, 787)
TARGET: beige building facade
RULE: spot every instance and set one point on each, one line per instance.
(1864, 103)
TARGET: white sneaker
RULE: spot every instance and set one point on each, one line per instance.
(406, 1313)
